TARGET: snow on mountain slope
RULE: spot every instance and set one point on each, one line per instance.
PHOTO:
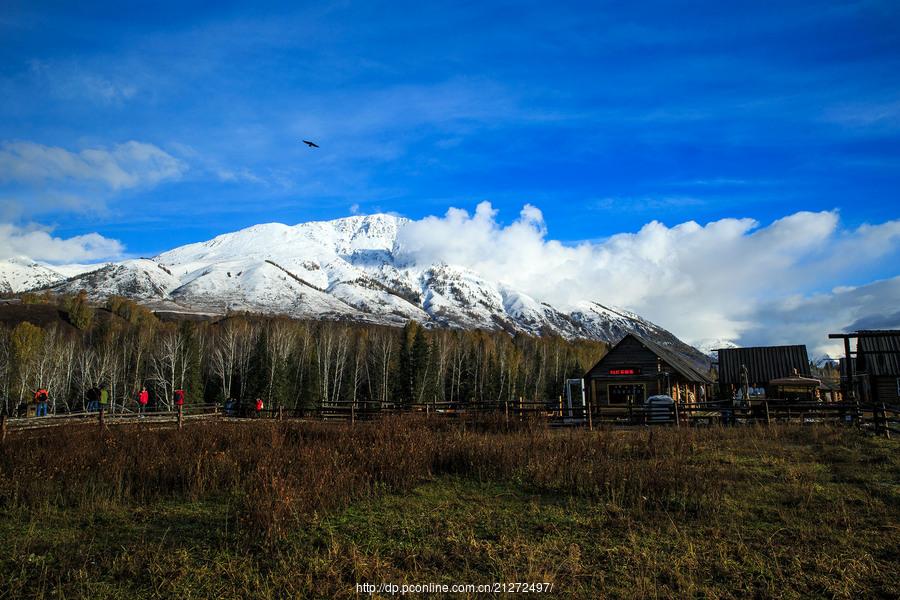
(20, 274)
(710, 345)
(346, 268)
(140, 279)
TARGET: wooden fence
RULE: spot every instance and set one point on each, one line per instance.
(880, 419)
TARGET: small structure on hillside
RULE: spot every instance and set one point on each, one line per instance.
(871, 373)
(636, 369)
(766, 372)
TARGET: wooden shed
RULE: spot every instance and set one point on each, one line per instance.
(775, 371)
(636, 368)
(872, 372)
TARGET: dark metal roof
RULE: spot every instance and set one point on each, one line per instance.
(878, 355)
(764, 363)
(676, 361)
(672, 358)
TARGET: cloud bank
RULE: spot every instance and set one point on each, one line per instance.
(733, 279)
(128, 165)
(38, 243)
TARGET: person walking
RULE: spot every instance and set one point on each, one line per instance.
(178, 397)
(93, 395)
(143, 400)
(104, 398)
(259, 407)
(40, 398)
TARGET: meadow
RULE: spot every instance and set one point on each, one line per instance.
(303, 509)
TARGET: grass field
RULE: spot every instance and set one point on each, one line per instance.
(307, 510)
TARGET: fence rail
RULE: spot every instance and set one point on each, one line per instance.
(880, 419)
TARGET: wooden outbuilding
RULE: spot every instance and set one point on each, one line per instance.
(636, 369)
(766, 371)
(872, 372)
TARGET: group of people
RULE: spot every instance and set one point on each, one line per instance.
(98, 398)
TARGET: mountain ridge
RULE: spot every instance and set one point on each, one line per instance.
(342, 269)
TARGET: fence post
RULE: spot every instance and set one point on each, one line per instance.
(3, 428)
(590, 416)
(766, 406)
(280, 412)
(352, 412)
(101, 416)
(506, 410)
(180, 416)
(857, 414)
(560, 408)
(677, 415)
(884, 421)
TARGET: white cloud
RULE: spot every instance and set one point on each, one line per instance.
(127, 165)
(38, 243)
(810, 318)
(701, 281)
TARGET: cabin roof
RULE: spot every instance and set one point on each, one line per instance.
(669, 356)
(797, 380)
(764, 363)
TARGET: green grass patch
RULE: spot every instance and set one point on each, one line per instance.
(790, 513)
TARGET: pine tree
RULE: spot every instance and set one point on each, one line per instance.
(404, 382)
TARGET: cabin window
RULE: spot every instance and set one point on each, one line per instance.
(626, 393)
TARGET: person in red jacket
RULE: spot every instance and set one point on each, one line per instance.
(40, 399)
(259, 406)
(143, 400)
(179, 397)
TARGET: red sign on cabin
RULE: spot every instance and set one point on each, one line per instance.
(624, 371)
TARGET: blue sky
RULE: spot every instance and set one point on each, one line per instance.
(606, 116)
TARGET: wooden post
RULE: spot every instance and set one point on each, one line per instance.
(677, 416)
(560, 407)
(506, 409)
(280, 412)
(884, 421)
(590, 417)
(352, 413)
(768, 418)
(180, 416)
(101, 416)
(3, 428)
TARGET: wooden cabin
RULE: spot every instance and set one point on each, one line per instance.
(768, 372)
(636, 369)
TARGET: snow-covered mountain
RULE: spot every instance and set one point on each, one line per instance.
(20, 274)
(342, 269)
(710, 345)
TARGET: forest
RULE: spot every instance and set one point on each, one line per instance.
(289, 363)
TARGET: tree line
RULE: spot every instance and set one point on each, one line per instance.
(289, 363)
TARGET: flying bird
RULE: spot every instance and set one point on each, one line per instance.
(310, 144)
